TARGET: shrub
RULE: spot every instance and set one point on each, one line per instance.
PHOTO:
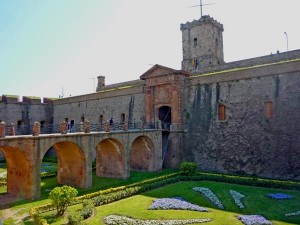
(87, 208)
(62, 197)
(188, 168)
(75, 218)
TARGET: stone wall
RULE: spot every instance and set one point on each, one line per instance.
(260, 132)
(111, 102)
(12, 112)
(272, 58)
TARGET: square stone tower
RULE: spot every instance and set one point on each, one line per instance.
(202, 44)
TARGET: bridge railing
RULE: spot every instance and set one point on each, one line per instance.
(56, 128)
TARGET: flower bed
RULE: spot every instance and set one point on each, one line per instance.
(293, 213)
(237, 198)
(210, 195)
(115, 219)
(175, 203)
(253, 220)
(279, 196)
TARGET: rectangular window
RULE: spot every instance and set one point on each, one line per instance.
(43, 123)
(20, 122)
(268, 109)
(221, 112)
(100, 119)
(123, 118)
(195, 42)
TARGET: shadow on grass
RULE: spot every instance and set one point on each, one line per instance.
(52, 218)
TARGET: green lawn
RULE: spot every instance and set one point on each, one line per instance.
(99, 183)
(256, 202)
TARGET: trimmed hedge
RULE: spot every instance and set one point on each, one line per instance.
(250, 181)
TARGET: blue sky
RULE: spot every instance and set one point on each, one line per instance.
(52, 46)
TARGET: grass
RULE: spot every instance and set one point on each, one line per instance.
(99, 183)
(256, 202)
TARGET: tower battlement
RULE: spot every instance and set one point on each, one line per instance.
(26, 99)
(203, 20)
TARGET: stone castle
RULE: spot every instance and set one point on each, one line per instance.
(240, 117)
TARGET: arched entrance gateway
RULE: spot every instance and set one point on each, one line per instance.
(163, 101)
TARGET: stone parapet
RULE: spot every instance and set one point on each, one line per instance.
(10, 98)
(246, 73)
(122, 89)
(253, 61)
(32, 99)
(201, 21)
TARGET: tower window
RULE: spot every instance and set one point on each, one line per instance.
(20, 123)
(123, 118)
(195, 42)
(43, 123)
(100, 119)
(221, 112)
(268, 109)
(195, 63)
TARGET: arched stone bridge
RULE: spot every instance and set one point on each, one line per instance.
(116, 153)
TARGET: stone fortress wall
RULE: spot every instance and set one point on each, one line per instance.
(124, 102)
(239, 117)
(27, 111)
(272, 58)
(258, 133)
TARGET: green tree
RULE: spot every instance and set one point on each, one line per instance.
(62, 197)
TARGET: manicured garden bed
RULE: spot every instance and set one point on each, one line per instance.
(255, 202)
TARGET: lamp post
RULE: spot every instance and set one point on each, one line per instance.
(287, 41)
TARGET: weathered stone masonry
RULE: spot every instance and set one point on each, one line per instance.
(248, 141)
(240, 117)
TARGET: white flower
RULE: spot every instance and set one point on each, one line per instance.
(293, 213)
(175, 203)
(253, 220)
(237, 198)
(210, 195)
(115, 219)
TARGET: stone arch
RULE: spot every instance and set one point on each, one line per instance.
(142, 154)
(165, 116)
(19, 173)
(71, 164)
(110, 159)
